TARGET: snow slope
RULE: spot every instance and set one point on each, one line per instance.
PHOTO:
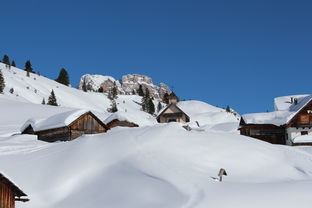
(35, 88)
(157, 166)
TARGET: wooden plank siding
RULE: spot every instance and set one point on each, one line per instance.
(172, 113)
(7, 196)
(9, 193)
(303, 118)
(265, 132)
(87, 123)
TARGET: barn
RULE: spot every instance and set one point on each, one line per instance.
(172, 113)
(290, 123)
(9, 193)
(65, 126)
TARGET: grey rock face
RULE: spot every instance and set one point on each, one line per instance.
(129, 83)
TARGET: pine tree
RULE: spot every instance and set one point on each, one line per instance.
(43, 102)
(13, 63)
(52, 99)
(28, 67)
(63, 77)
(151, 106)
(101, 89)
(6, 60)
(112, 95)
(113, 107)
(145, 101)
(228, 109)
(2, 83)
(165, 98)
(140, 91)
(159, 107)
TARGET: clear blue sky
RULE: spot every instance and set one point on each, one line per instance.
(224, 52)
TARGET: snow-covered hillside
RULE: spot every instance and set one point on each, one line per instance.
(154, 165)
(35, 88)
(157, 166)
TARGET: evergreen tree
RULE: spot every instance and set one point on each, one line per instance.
(2, 83)
(140, 91)
(113, 107)
(52, 99)
(101, 89)
(43, 102)
(13, 63)
(6, 60)
(151, 107)
(112, 95)
(63, 77)
(145, 101)
(28, 67)
(228, 109)
(165, 98)
(159, 107)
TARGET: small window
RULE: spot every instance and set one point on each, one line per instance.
(304, 133)
(304, 119)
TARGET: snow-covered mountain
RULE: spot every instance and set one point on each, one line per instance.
(128, 85)
(154, 165)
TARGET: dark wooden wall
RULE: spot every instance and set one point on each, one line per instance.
(268, 133)
(52, 135)
(7, 196)
(303, 118)
(86, 124)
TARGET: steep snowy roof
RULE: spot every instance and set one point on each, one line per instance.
(284, 102)
(285, 111)
(55, 121)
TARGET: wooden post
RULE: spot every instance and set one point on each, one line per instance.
(222, 172)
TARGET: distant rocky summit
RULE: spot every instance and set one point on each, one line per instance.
(129, 84)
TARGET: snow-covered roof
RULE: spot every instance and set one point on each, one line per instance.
(121, 116)
(277, 118)
(55, 121)
(168, 106)
(303, 139)
(285, 111)
(284, 102)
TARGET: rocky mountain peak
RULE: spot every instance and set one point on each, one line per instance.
(127, 85)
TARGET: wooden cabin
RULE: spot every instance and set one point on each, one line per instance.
(172, 113)
(9, 193)
(291, 120)
(122, 119)
(65, 126)
(122, 123)
(265, 132)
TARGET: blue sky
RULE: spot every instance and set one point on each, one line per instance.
(224, 52)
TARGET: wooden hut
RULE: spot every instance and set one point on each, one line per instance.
(122, 119)
(65, 126)
(9, 193)
(290, 123)
(172, 113)
(116, 122)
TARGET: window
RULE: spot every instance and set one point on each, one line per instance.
(304, 119)
(304, 133)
